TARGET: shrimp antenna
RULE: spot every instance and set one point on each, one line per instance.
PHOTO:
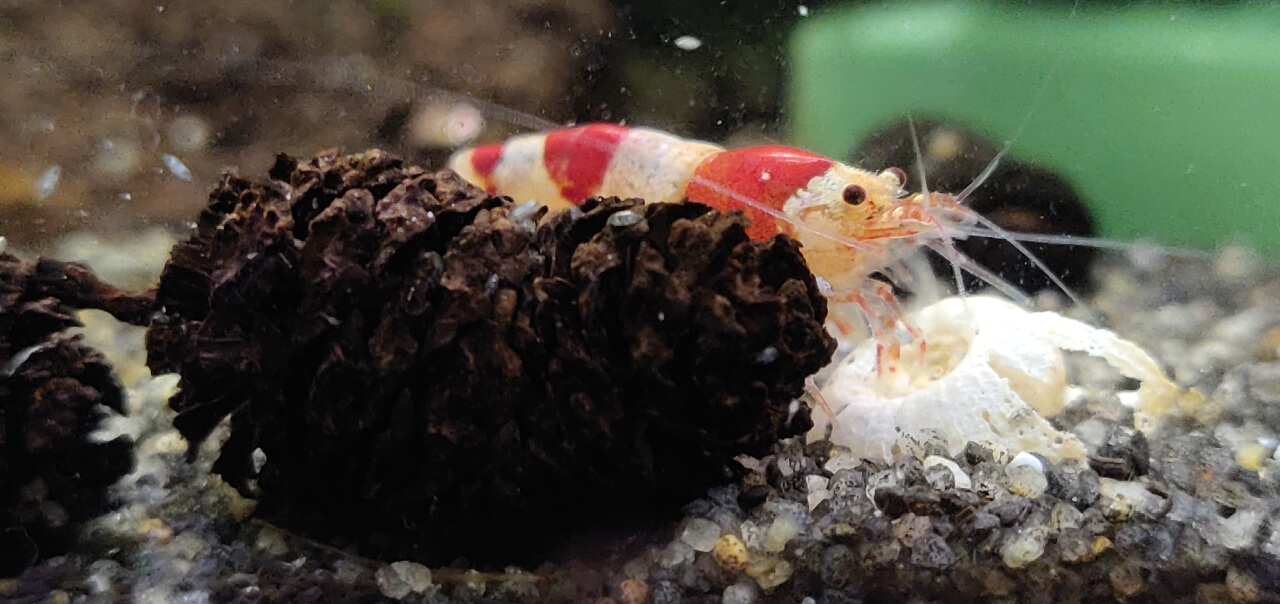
(985, 173)
(924, 188)
(1083, 241)
(996, 230)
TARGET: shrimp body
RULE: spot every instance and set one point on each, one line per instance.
(851, 223)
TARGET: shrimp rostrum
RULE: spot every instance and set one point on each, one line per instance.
(853, 224)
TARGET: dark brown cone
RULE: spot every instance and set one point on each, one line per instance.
(430, 379)
(52, 478)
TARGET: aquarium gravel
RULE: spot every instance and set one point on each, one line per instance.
(1183, 515)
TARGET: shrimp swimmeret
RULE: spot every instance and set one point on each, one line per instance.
(851, 223)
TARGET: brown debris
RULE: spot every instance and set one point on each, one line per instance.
(431, 377)
(51, 384)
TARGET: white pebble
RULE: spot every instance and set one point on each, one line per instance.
(1025, 475)
(816, 487)
(1125, 497)
(688, 43)
(961, 478)
(701, 534)
(624, 218)
(675, 554)
(783, 529)
(1027, 459)
(1025, 546)
(259, 459)
(525, 211)
(403, 578)
(803, 10)
(740, 593)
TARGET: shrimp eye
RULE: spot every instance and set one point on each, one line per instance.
(899, 177)
(854, 195)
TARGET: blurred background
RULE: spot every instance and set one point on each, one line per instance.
(119, 115)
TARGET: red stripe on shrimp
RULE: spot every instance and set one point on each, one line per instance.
(484, 160)
(577, 158)
(768, 175)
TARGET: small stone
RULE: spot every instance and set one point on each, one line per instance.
(271, 541)
(974, 454)
(816, 487)
(838, 565)
(879, 553)
(346, 571)
(911, 527)
(1074, 548)
(633, 591)
(1240, 531)
(666, 592)
(731, 553)
(770, 572)
(727, 519)
(471, 586)
(841, 462)
(1010, 509)
(624, 218)
(783, 529)
(1101, 544)
(1126, 580)
(517, 584)
(960, 479)
(740, 593)
(1065, 516)
(932, 551)
(58, 596)
(701, 534)
(1242, 586)
(154, 529)
(390, 584)
(1025, 476)
(103, 576)
(416, 575)
(636, 567)
(400, 579)
(1024, 546)
(1121, 499)
(1251, 457)
(675, 554)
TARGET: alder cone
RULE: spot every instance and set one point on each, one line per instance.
(430, 376)
(52, 477)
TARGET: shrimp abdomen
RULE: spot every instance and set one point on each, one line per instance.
(562, 167)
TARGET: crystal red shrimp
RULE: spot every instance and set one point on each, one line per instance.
(852, 223)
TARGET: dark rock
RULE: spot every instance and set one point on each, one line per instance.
(1123, 454)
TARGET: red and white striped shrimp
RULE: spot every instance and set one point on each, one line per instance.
(852, 223)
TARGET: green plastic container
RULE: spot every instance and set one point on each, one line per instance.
(1166, 118)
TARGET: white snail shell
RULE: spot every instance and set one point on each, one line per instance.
(991, 374)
